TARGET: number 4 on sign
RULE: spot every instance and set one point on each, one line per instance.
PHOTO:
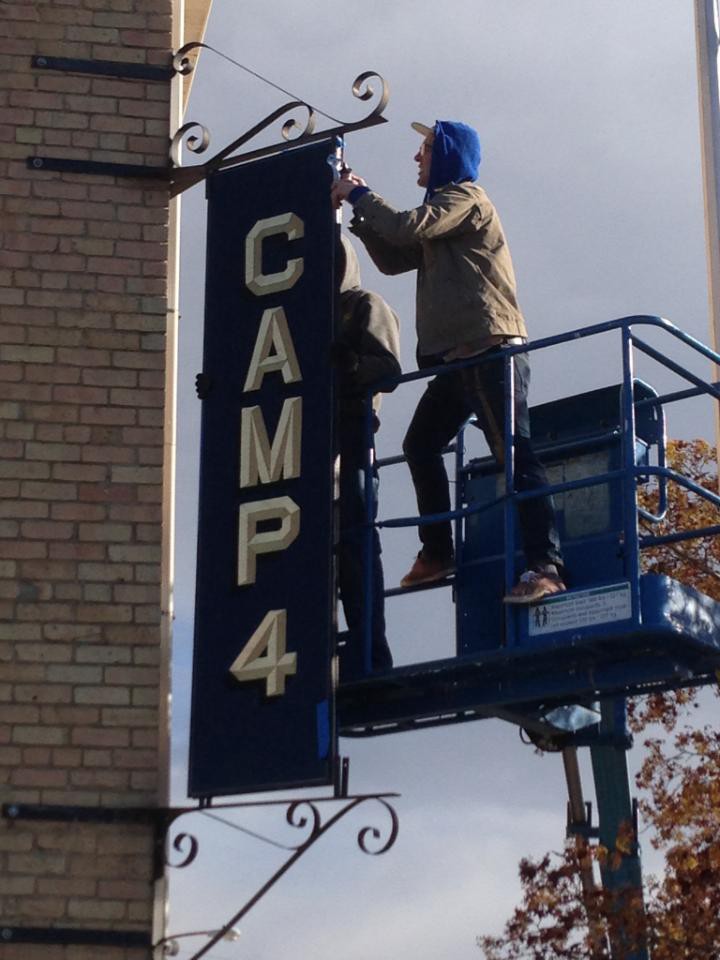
(276, 664)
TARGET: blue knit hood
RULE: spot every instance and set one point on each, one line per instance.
(455, 155)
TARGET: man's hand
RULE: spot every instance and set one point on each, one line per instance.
(344, 186)
(203, 385)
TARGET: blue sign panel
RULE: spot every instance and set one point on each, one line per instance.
(262, 711)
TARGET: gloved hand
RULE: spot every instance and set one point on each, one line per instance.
(203, 385)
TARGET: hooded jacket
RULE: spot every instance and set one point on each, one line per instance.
(466, 291)
(368, 329)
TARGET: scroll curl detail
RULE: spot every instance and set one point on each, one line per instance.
(181, 842)
(293, 130)
(297, 818)
(376, 835)
(196, 142)
(181, 62)
(363, 90)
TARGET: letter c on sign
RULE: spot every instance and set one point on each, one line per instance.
(263, 283)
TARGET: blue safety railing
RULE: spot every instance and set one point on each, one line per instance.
(629, 473)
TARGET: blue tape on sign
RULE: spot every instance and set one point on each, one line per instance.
(323, 728)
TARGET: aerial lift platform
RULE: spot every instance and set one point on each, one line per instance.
(617, 631)
(562, 669)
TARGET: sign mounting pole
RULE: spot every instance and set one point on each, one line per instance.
(707, 33)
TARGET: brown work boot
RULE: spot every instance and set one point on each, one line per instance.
(535, 585)
(427, 570)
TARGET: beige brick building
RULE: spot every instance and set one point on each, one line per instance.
(87, 340)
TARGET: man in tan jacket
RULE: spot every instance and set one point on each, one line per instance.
(466, 307)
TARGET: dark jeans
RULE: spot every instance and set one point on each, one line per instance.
(351, 577)
(446, 404)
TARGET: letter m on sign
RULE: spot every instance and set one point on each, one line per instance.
(262, 711)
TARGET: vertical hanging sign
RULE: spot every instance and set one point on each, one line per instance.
(262, 714)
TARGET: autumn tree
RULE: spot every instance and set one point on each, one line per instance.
(678, 785)
(697, 561)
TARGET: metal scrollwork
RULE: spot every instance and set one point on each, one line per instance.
(196, 142)
(224, 157)
(293, 130)
(181, 62)
(376, 834)
(297, 819)
(302, 814)
(292, 126)
(362, 89)
(184, 840)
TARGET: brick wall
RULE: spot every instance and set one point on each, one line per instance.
(83, 274)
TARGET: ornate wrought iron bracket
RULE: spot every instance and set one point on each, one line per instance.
(181, 178)
(196, 138)
(303, 815)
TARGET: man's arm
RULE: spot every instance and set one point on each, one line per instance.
(389, 258)
(453, 210)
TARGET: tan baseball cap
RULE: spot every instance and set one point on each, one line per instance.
(422, 129)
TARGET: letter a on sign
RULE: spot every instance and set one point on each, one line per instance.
(264, 596)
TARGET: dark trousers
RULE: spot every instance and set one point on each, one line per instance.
(444, 407)
(351, 546)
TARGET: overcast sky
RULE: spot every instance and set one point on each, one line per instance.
(587, 112)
